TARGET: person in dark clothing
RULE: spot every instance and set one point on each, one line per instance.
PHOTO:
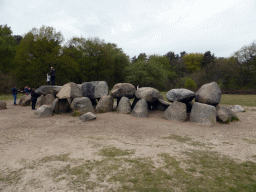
(14, 94)
(52, 74)
(34, 97)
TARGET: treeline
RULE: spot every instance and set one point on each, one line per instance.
(26, 60)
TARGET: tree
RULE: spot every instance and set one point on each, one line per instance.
(207, 59)
(38, 51)
(7, 49)
(94, 57)
(153, 73)
(193, 61)
(246, 57)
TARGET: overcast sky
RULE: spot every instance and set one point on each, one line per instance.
(142, 26)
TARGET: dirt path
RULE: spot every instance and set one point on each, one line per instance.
(26, 138)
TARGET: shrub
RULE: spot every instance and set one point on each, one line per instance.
(190, 83)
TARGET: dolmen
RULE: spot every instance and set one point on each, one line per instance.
(89, 98)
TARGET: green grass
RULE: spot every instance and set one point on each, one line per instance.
(9, 97)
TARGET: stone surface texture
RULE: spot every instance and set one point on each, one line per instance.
(182, 95)
(123, 90)
(44, 111)
(48, 89)
(40, 101)
(95, 89)
(25, 100)
(83, 105)
(177, 111)
(2, 104)
(148, 93)
(69, 91)
(224, 113)
(124, 106)
(209, 93)
(105, 104)
(141, 109)
(203, 114)
(89, 116)
(237, 108)
(48, 99)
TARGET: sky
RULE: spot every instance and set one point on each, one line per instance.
(142, 26)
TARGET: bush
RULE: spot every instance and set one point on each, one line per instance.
(190, 83)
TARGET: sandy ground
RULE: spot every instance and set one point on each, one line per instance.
(25, 137)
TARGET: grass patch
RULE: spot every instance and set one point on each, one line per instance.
(244, 100)
(9, 97)
(63, 157)
(178, 138)
(250, 141)
(195, 171)
(113, 152)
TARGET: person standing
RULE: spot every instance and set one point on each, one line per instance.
(34, 97)
(14, 94)
(52, 73)
(48, 78)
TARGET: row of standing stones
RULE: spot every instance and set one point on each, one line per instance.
(89, 98)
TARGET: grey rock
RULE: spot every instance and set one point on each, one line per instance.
(124, 106)
(224, 113)
(69, 91)
(44, 111)
(123, 90)
(47, 89)
(87, 116)
(148, 93)
(40, 101)
(83, 105)
(177, 111)
(203, 114)
(2, 104)
(237, 108)
(25, 100)
(105, 104)
(48, 99)
(95, 89)
(140, 109)
(182, 95)
(209, 93)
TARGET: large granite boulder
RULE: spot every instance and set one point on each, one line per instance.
(44, 111)
(209, 93)
(203, 114)
(40, 101)
(48, 99)
(82, 105)
(123, 90)
(88, 116)
(224, 113)
(140, 109)
(2, 104)
(148, 93)
(60, 105)
(25, 100)
(237, 108)
(94, 89)
(177, 111)
(105, 104)
(47, 89)
(182, 95)
(124, 106)
(69, 91)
